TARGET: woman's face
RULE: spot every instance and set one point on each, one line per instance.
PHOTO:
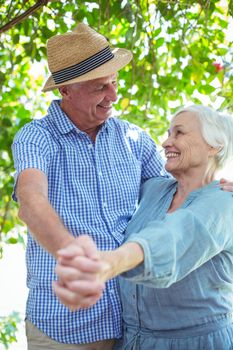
(185, 148)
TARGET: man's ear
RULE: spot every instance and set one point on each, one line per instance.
(64, 91)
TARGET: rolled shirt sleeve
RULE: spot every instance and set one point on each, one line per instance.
(30, 150)
(184, 240)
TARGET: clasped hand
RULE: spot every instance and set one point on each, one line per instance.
(82, 273)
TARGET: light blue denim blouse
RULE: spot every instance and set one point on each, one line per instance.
(182, 295)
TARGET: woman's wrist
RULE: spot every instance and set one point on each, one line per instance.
(124, 258)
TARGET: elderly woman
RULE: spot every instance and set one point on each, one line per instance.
(176, 265)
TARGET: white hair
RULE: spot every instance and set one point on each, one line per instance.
(217, 131)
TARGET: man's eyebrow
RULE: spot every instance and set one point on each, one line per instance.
(96, 85)
(99, 84)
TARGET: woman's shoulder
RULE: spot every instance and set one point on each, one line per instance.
(211, 200)
(213, 191)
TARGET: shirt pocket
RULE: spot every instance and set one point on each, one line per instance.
(125, 180)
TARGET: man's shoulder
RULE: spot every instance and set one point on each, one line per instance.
(36, 128)
(43, 127)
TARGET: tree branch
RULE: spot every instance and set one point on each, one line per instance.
(21, 17)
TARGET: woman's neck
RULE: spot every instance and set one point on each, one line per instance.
(186, 185)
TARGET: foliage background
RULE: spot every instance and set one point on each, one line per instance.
(182, 52)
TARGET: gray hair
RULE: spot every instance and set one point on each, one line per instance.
(217, 131)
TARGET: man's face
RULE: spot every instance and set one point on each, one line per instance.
(89, 103)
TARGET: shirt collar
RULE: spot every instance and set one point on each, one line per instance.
(192, 195)
(59, 118)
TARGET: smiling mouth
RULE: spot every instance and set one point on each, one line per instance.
(105, 107)
(170, 155)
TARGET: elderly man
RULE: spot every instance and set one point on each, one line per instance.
(78, 171)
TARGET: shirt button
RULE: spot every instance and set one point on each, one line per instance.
(90, 146)
(105, 204)
(100, 173)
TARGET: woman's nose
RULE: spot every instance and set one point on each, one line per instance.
(168, 141)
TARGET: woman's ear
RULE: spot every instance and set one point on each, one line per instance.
(213, 151)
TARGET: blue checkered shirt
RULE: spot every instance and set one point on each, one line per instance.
(94, 187)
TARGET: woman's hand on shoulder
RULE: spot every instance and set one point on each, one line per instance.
(226, 185)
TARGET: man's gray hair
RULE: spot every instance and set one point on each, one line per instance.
(216, 129)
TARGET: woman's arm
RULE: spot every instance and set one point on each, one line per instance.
(124, 258)
(184, 240)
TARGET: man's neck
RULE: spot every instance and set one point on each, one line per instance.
(92, 132)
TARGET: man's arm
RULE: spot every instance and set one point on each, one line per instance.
(36, 211)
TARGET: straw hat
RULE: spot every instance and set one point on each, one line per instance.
(81, 55)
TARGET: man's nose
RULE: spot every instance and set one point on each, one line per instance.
(112, 93)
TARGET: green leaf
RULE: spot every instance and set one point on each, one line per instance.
(12, 240)
(46, 32)
(207, 89)
(2, 78)
(159, 42)
(15, 39)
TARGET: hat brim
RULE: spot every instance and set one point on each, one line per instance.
(121, 58)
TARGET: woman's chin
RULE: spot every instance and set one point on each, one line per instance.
(171, 169)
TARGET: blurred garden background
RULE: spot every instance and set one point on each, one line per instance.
(182, 52)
